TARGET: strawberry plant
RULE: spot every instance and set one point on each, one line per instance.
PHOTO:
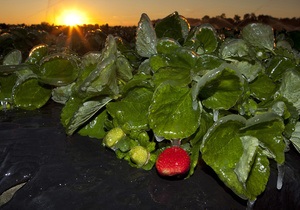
(235, 101)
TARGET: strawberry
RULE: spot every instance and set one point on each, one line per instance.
(173, 161)
(113, 136)
(139, 155)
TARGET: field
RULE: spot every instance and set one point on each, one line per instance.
(226, 91)
(92, 37)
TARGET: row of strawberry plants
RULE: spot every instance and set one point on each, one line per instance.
(180, 94)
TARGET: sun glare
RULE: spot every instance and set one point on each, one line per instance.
(72, 18)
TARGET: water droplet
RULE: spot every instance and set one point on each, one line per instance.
(158, 138)
(7, 174)
(280, 168)
(250, 204)
(216, 114)
(195, 105)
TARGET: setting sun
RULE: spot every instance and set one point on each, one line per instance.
(72, 18)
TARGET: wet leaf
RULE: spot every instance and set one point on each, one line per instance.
(258, 90)
(85, 112)
(290, 88)
(167, 45)
(27, 92)
(259, 35)
(63, 93)
(101, 78)
(203, 39)
(173, 26)
(95, 128)
(37, 53)
(235, 157)
(124, 69)
(249, 70)
(268, 129)
(277, 66)
(132, 111)
(145, 37)
(295, 138)
(243, 167)
(171, 114)
(219, 88)
(234, 49)
(58, 70)
(7, 83)
(13, 58)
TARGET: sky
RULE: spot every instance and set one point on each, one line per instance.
(127, 13)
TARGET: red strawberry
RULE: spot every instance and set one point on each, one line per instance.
(173, 161)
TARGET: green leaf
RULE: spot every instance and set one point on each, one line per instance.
(84, 72)
(219, 88)
(172, 113)
(151, 161)
(91, 66)
(90, 58)
(222, 149)
(206, 122)
(7, 83)
(95, 127)
(234, 49)
(124, 144)
(58, 70)
(139, 80)
(249, 70)
(277, 66)
(13, 58)
(145, 37)
(185, 26)
(37, 53)
(27, 93)
(167, 45)
(247, 106)
(132, 111)
(202, 39)
(268, 129)
(102, 79)
(205, 63)
(290, 88)
(178, 76)
(259, 176)
(145, 68)
(70, 108)
(129, 51)
(63, 93)
(124, 69)
(258, 88)
(110, 48)
(84, 113)
(158, 61)
(142, 137)
(288, 113)
(243, 167)
(180, 58)
(244, 170)
(295, 138)
(259, 35)
(281, 109)
(173, 26)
